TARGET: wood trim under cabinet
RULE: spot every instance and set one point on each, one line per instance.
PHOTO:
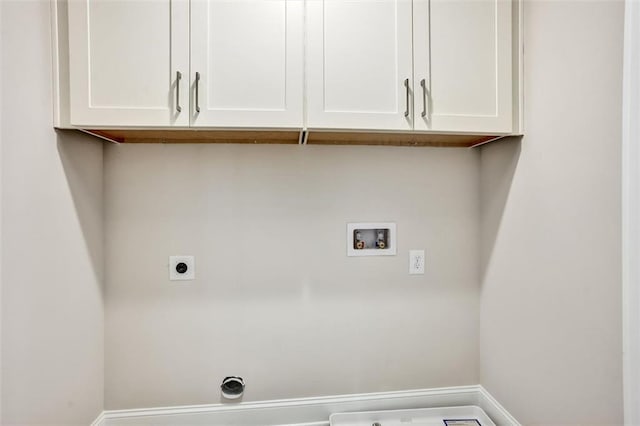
(397, 139)
(199, 136)
(290, 137)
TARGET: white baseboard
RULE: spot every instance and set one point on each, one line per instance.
(494, 409)
(100, 420)
(308, 411)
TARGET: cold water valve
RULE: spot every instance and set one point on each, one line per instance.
(381, 240)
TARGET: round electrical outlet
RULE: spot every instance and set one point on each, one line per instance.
(181, 268)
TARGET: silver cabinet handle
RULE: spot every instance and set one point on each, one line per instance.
(197, 90)
(178, 78)
(423, 84)
(406, 85)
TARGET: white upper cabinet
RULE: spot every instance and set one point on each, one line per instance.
(247, 63)
(456, 55)
(438, 66)
(359, 64)
(125, 59)
(463, 65)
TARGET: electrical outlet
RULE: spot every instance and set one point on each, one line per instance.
(416, 262)
(182, 268)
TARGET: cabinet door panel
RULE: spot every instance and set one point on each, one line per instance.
(358, 57)
(463, 52)
(249, 54)
(124, 58)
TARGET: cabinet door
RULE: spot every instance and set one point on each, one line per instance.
(124, 60)
(248, 56)
(358, 59)
(463, 53)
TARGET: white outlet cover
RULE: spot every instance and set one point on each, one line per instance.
(416, 262)
(190, 274)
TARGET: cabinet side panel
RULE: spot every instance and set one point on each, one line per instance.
(60, 68)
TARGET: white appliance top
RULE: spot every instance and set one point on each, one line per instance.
(442, 416)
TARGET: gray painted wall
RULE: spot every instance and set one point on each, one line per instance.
(276, 299)
(551, 221)
(52, 305)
